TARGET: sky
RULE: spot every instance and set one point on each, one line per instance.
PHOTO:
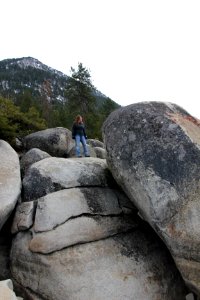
(135, 50)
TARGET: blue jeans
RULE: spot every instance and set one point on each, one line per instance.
(78, 139)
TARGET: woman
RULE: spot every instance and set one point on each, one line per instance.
(78, 133)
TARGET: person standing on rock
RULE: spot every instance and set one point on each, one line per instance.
(79, 135)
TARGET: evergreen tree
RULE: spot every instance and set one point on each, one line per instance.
(80, 94)
(14, 123)
(24, 101)
(80, 98)
(107, 107)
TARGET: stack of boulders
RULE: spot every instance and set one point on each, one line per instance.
(58, 142)
(103, 227)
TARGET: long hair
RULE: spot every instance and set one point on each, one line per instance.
(78, 119)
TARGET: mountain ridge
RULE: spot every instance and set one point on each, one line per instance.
(29, 61)
(18, 75)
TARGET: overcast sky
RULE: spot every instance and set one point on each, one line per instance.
(136, 50)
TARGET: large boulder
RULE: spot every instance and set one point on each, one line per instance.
(153, 152)
(56, 208)
(53, 174)
(54, 141)
(10, 180)
(132, 265)
(30, 158)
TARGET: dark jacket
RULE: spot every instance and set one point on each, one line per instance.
(78, 129)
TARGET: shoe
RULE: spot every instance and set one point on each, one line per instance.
(79, 156)
(87, 155)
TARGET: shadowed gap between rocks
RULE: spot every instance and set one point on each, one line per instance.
(89, 215)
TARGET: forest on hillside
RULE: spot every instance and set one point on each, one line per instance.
(26, 114)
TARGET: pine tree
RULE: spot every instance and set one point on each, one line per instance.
(79, 91)
(14, 123)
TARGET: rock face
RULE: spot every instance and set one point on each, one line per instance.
(127, 266)
(10, 180)
(153, 152)
(56, 208)
(53, 174)
(79, 237)
(55, 141)
(30, 158)
(72, 216)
